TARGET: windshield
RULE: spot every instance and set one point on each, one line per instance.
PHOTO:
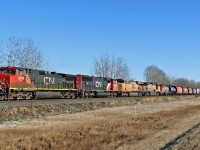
(1, 71)
(10, 72)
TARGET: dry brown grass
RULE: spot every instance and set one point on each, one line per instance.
(101, 129)
(20, 113)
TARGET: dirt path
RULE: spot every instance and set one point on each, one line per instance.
(142, 126)
(188, 140)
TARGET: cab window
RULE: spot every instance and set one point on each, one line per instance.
(20, 72)
(12, 72)
(1, 71)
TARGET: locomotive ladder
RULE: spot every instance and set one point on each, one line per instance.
(5, 89)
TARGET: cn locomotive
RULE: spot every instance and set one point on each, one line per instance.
(24, 83)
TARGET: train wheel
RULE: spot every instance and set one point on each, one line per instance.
(33, 95)
(86, 95)
(15, 98)
(139, 94)
(119, 94)
(114, 94)
(75, 95)
(95, 94)
(2, 98)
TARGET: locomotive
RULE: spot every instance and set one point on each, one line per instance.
(24, 83)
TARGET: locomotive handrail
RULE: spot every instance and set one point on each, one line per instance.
(2, 82)
(5, 83)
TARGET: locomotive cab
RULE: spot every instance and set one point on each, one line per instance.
(15, 83)
(15, 77)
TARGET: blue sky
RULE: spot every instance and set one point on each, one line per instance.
(71, 34)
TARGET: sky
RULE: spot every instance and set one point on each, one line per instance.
(72, 33)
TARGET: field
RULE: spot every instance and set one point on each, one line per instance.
(141, 126)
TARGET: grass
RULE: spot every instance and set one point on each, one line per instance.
(100, 129)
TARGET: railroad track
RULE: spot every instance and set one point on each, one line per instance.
(42, 101)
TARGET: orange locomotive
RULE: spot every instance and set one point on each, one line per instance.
(12, 81)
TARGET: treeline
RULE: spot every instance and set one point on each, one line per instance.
(117, 68)
(110, 67)
(154, 74)
(21, 52)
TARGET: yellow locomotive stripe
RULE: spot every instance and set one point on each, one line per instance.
(96, 91)
(24, 89)
(42, 89)
(55, 89)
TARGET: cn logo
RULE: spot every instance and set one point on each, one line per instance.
(49, 80)
(98, 84)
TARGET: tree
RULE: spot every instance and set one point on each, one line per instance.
(181, 82)
(198, 85)
(118, 69)
(23, 53)
(101, 66)
(154, 74)
(2, 56)
(13, 52)
(111, 67)
(192, 83)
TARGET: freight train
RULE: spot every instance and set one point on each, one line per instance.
(24, 83)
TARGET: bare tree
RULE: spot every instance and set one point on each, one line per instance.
(13, 52)
(101, 66)
(154, 74)
(198, 84)
(2, 57)
(181, 82)
(185, 83)
(192, 83)
(23, 53)
(111, 67)
(121, 70)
